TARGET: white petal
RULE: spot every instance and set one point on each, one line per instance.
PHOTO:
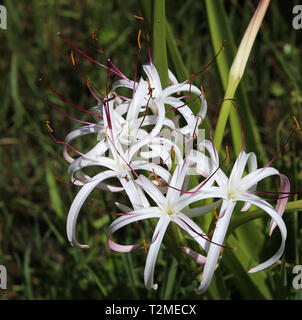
(176, 182)
(138, 100)
(77, 205)
(122, 83)
(196, 212)
(192, 229)
(281, 203)
(153, 251)
(215, 247)
(152, 190)
(205, 193)
(153, 77)
(254, 177)
(134, 216)
(84, 130)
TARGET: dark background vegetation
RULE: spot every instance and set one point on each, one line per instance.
(34, 203)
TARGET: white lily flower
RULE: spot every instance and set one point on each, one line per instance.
(121, 164)
(169, 208)
(160, 96)
(237, 188)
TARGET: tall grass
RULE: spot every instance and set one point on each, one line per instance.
(33, 200)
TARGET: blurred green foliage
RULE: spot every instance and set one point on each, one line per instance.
(34, 202)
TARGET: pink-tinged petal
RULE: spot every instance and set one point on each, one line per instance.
(281, 203)
(215, 248)
(122, 248)
(192, 229)
(133, 216)
(153, 251)
(198, 258)
(78, 203)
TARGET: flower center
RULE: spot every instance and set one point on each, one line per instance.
(170, 211)
(232, 193)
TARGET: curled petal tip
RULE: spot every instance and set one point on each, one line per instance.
(253, 270)
(79, 246)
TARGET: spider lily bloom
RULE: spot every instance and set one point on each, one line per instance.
(168, 208)
(121, 165)
(160, 96)
(237, 188)
(127, 131)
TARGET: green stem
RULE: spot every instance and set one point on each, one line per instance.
(159, 42)
(292, 206)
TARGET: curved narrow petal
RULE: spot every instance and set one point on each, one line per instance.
(84, 130)
(185, 87)
(262, 204)
(159, 170)
(161, 115)
(196, 212)
(134, 216)
(123, 83)
(123, 207)
(131, 189)
(153, 77)
(82, 163)
(281, 203)
(152, 119)
(214, 250)
(153, 142)
(206, 193)
(197, 257)
(177, 182)
(172, 77)
(254, 177)
(153, 251)
(192, 229)
(151, 190)
(77, 205)
(252, 164)
(138, 100)
(239, 167)
(184, 110)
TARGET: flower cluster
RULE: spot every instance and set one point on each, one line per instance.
(151, 158)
